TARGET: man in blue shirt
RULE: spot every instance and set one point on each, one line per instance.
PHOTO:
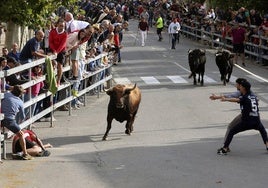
(31, 49)
(11, 106)
(14, 52)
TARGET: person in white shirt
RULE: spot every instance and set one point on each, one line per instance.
(73, 25)
(173, 31)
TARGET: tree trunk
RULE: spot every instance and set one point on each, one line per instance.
(16, 34)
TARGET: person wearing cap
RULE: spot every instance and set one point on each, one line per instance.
(11, 106)
(250, 118)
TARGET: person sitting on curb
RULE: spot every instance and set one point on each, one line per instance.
(34, 145)
(11, 106)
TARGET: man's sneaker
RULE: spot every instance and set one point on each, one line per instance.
(222, 151)
(78, 102)
(17, 156)
(227, 150)
(44, 153)
(27, 157)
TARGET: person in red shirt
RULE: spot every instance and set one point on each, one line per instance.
(34, 145)
(143, 27)
(239, 38)
(57, 45)
(117, 44)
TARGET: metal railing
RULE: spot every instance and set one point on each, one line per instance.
(97, 80)
(214, 40)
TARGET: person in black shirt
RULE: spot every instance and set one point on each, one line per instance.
(250, 116)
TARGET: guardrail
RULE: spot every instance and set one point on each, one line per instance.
(97, 78)
(213, 39)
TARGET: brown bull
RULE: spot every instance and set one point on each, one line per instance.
(123, 106)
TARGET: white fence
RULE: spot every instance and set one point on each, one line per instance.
(93, 81)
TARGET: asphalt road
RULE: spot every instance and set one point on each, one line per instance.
(176, 133)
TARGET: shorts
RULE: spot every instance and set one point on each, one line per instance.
(29, 144)
(159, 30)
(75, 54)
(238, 48)
(11, 125)
(61, 58)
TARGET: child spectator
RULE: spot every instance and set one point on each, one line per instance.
(35, 89)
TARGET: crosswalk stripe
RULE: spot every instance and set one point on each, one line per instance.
(209, 80)
(177, 79)
(163, 79)
(233, 79)
(122, 80)
(150, 80)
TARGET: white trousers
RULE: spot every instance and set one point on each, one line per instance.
(143, 37)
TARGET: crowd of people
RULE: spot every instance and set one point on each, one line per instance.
(100, 30)
(67, 36)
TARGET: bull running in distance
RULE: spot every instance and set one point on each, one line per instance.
(224, 61)
(123, 106)
(197, 61)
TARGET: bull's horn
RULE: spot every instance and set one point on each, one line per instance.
(106, 90)
(130, 89)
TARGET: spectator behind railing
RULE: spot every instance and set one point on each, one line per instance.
(264, 27)
(14, 52)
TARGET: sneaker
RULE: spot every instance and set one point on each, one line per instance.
(44, 153)
(244, 64)
(222, 151)
(78, 102)
(17, 156)
(75, 93)
(27, 157)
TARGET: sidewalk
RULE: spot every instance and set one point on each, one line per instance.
(69, 136)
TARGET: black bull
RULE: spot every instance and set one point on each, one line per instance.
(123, 106)
(224, 61)
(197, 61)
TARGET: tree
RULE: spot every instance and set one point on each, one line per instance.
(22, 14)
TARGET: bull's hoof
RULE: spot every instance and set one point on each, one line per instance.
(104, 139)
(127, 132)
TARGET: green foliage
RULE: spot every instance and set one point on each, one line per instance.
(31, 13)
